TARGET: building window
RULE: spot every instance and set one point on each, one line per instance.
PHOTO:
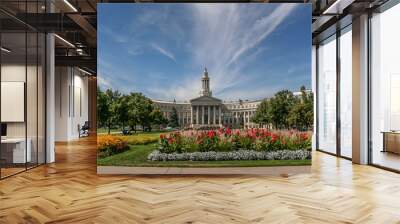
(346, 92)
(385, 89)
(327, 95)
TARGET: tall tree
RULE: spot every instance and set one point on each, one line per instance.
(301, 115)
(174, 121)
(122, 111)
(158, 118)
(106, 107)
(263, 115)
(112, 98)
(144, 107)
(103, 108)
(280, 106)
(133, 111)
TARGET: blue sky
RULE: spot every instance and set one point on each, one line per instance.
(250, 50)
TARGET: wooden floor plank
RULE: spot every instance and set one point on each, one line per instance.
(70, 191)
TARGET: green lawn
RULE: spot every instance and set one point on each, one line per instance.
(137, 156)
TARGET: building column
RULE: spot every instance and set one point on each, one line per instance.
(360, 90)
(197, 115)
(209, 115)
(219, 114)
(202, 114)
(236, 118)
(191, 115)
(50, 97)
(214, 114)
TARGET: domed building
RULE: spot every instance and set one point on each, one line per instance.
(207, 111)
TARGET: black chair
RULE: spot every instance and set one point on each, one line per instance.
(84, 130)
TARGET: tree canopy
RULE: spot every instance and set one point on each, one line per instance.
(127, 111)
(284, 110)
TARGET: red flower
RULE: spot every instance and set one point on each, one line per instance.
(162, 136)
(211, 134)
(228, 131)
(304, 136)
(170, 140)
(273, 138)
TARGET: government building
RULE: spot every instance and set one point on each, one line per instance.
(207, 111)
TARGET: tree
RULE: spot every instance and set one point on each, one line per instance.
(112, 98)
(122, 111)
(106, 107)
(139, 109)
(174, 121)
(158, 118)
(143, 109)
(103, 108)
(280, 106)
(262, 115)
(284, 110)
(301, 115)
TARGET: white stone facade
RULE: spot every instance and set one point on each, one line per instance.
(207, 111)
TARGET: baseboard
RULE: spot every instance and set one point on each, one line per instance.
(267, 171)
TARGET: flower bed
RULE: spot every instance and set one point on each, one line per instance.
(234, 155)
(226, 140)
(108, 145)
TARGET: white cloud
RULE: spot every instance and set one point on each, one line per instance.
(227, 34)
(117, 37)
(163, 51)
(225, 38)
(104, 83)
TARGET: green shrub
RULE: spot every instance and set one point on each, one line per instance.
(108, 145)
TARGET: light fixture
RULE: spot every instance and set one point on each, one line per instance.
(64, 40)
(337, 7)
(84, 71)
(5, 50)
(70, 5)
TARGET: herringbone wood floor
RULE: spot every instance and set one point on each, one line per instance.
(69, 191)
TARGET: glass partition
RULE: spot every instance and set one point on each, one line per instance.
(346, 92)
(22, 89)
(385, 89)
(327, 95)
(14, 155)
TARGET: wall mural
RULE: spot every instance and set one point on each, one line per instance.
(204, 85)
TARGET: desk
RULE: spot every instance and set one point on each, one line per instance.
(391, 141)
(13, 150)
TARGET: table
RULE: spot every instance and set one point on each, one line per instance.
(391, 141)
(13, 150)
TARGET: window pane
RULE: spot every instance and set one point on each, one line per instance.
(385, 84)
(346, 93)
(327, 95)
(31, 97)
(13, 86)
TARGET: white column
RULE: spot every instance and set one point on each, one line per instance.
(214, 114)
(219, 114)
(191, 115)
(209, 115)
(202, 114)
(236, 118)
(50, 99)
(360, 90)
(197, 115)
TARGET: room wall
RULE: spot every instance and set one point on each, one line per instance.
(15, 72)
(71, 102)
